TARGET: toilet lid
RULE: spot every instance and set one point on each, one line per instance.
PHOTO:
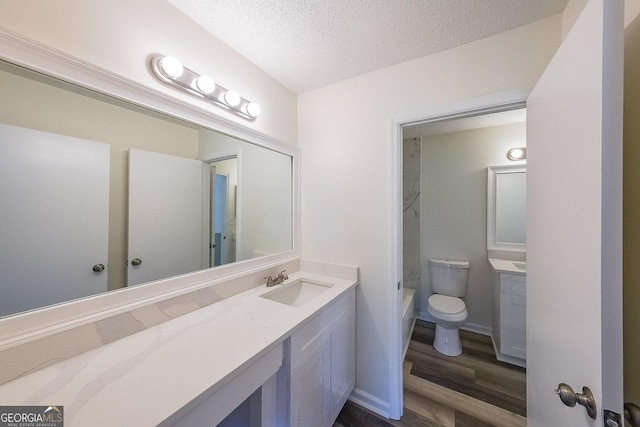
(446, 304)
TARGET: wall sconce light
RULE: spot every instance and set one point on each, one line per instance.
(517, 154)
(171, 71)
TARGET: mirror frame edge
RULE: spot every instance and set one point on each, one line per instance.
(492, 245)
(39, 323)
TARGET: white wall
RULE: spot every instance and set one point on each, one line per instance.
(344, 135)
(121, 35)
(454, 207)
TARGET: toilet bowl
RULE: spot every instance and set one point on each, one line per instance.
(449, 283)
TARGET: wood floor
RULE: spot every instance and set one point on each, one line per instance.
(471, 390)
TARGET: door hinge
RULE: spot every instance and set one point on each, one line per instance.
(612, 419)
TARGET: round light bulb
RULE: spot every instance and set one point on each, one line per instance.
(516, 154)
(252, 109)
(205, 84)
(232, 98)
(171, 66)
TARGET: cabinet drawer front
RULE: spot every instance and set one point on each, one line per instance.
(312, 334)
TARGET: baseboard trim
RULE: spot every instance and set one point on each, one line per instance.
(471, 327)
(370, 402)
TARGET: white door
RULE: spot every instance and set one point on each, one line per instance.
(213, 247)
(574, 214)
(165, 216)
(54, 221)
(220, 221)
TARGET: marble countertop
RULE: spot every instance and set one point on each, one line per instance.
(508, 266)
(144, 378)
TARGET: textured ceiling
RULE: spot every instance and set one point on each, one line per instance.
(308, 44)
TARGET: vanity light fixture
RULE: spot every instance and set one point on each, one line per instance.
(205, 84)
(170, 70)
(252, 109)
(171, 66)
(232, 98)
(517, 154)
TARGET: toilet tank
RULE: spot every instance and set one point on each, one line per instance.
(449, 277)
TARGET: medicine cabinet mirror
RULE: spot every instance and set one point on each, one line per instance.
(507, 208)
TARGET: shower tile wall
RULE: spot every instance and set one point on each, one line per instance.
(411, 215)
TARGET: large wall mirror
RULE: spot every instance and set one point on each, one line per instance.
(507, 208)
(99, 194)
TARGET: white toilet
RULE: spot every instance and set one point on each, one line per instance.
(448, 283)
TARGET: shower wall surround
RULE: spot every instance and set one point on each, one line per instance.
(411, 213)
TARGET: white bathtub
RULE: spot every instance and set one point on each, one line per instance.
(408, 317)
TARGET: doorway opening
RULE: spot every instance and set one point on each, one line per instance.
(222, 189)
(471, 110)
(445, 217)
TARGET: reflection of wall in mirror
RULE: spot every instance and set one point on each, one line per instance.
(263, 196)
(36, 105)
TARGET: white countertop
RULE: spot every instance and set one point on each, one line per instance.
(507, 266)
(146, 377)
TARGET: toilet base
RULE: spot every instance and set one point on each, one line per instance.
(447, 341)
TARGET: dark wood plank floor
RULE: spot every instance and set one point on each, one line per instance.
(470, 390)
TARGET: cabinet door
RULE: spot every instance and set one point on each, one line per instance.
(343, 365)
(513, 315)
(518, 326)
(310, 390)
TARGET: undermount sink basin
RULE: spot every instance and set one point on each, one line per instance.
(520, 265)
(296, 293)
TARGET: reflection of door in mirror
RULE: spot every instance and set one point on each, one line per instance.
(54, 229)
(224, 178)
(165, 216)
(219, 217)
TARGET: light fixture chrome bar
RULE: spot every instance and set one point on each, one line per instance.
(170, 71)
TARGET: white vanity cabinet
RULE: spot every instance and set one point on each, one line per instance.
(318, 372)
(509, 317)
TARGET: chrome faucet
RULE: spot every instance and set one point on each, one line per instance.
(272, 281)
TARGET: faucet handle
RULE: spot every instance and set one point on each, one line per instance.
(283, 275)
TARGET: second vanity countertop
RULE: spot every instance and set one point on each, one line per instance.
(144, 378)
(508, 266)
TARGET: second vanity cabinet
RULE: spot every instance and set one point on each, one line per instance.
(318, 372)
(509, 316)
(513, 315)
